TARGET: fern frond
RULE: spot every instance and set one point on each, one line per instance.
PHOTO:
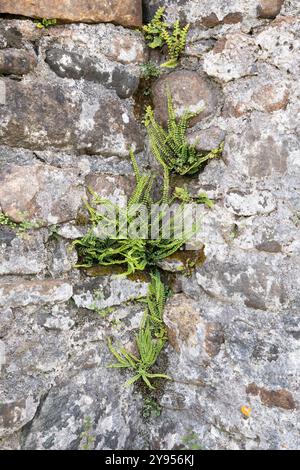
(171, 147)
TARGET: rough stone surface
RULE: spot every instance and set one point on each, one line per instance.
(107, 292)
(73, 65)
(90, 115)
(233, 322)
(21, 254)
(190, 91)
(269, 8)
(40, 193)
(15, 62)
(112, 187)
(126, 12)
(232, 57)
(34, 292)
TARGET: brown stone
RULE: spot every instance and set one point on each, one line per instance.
(124, 12)
(233, 18)
(190, 91)
(269, 9)
(273, 398)
(214, 338)
(210, 21)
(271, 98)
(270, 246)
(16, 62)
(252, 389)
(40, 193)
(220, 46)
(254, 94)
(182, 321)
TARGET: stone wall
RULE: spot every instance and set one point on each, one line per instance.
(69, 111)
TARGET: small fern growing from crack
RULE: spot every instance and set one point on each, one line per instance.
(45, 23)
(150, 339)
(158, 34)
(176, 42)
(171, 148)
(154, 30)
(133, 253)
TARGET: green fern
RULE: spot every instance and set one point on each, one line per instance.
(158, 34)
(150, 340)
(176, 42)
(134, 254)
(171, 148)
(183, 195)
(45, 23)
(154, 30)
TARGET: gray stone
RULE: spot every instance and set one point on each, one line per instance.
(24, 254)
(279, 43)
(10, 37)
(233, 57)
(64, 258)
(257, 150)
(32, 118)
(258, 284)
(16, 62)
(34, 292)
(207, 139)
(73, 65)
(190, 91)
(106, 291)
(250, 204)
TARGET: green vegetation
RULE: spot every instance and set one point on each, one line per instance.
(150, 340)
(19, 227)
(183, 195)
(171, 148)
(45, 23)
(86, 436)
(134, 254)
(149, 71)
(158, 34)
(151, 408)
(191, 441)
(202, 198)
(154, 30)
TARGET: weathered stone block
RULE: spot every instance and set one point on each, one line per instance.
(74, 65)
(112, 187)
(34, 292)
(269, 8)
(40, 193)
(255, 280)
(22, 255)
(16, 62)
(233, 56)
(82, 117)
(125, 12)
(107, 291)
(190, 91)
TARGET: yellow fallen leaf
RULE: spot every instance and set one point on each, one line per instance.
(246, 410)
